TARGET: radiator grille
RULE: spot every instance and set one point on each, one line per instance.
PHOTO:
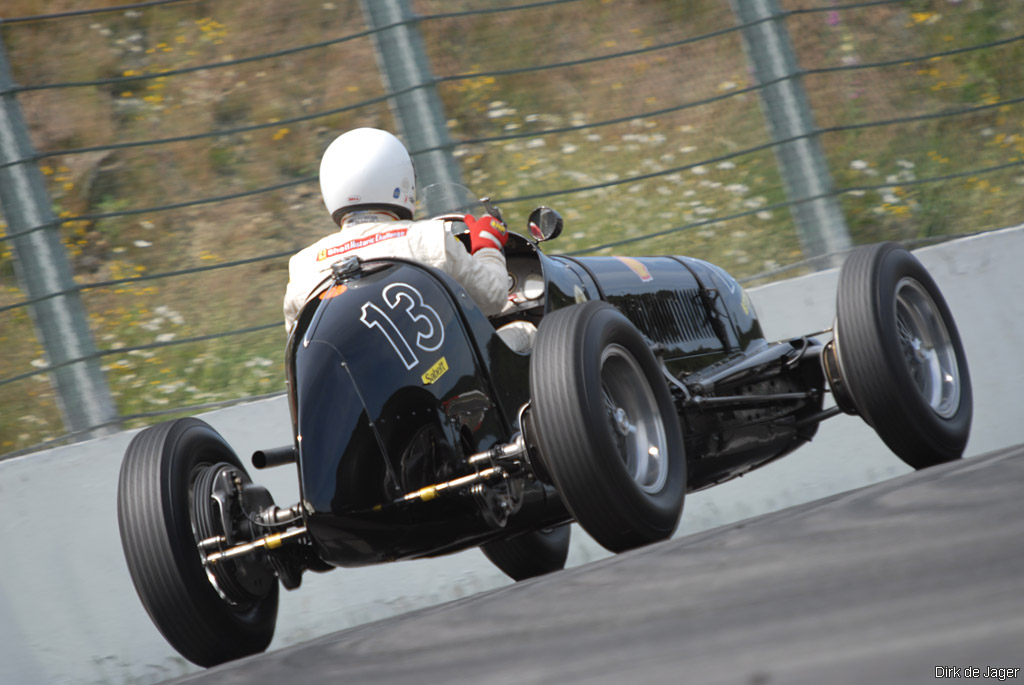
(669, 316)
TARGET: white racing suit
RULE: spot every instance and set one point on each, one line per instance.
(375, 234)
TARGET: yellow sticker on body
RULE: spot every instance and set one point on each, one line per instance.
(436, 371)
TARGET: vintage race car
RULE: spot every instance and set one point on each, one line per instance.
(418, 432)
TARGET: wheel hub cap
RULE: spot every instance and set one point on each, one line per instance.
(622, 424)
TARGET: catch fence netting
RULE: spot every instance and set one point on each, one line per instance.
(180, 141)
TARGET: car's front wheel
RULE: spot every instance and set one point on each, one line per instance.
(900, 357)
(175, 490)
(607, 426)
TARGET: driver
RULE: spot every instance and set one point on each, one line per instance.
(369, 186)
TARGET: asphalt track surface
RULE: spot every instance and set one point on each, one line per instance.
(884, 584)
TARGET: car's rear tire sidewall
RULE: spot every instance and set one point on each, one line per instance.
(530, 554)
(161, 466)
(875, 283)
(578, 441)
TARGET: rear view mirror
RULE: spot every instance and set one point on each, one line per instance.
(544, 224)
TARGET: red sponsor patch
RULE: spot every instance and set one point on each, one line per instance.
(356, 243)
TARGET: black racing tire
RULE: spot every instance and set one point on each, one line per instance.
(162, 466)
(606, 426)
(901, 357)
(531, 554)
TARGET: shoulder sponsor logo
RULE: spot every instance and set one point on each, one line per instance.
(436, 371)
(356, 243)
(637, 267)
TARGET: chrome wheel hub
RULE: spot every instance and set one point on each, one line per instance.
(927, 348)
(635, 419)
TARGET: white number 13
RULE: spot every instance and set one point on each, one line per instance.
(426, 323)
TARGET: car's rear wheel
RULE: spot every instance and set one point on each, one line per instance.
(531, 554)
(607, 426)
(174, 491)
(900, 356)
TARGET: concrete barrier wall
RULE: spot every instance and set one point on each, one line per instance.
(69, 613)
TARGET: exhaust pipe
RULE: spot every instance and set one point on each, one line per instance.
(276, 456)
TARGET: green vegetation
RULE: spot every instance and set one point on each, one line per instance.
(694, 158)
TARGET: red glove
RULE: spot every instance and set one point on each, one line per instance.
(486, 232)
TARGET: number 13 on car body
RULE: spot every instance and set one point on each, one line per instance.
(427, 324)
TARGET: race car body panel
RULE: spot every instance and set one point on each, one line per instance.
(391, 395)
(695, 311)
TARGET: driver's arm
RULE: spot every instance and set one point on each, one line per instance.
(483, 274)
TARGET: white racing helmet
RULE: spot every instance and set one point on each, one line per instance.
(367, 167)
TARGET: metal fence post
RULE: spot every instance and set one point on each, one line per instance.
(820, 222)
(43, 269)
(406, 68)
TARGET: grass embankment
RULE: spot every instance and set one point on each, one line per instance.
(671, 150)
